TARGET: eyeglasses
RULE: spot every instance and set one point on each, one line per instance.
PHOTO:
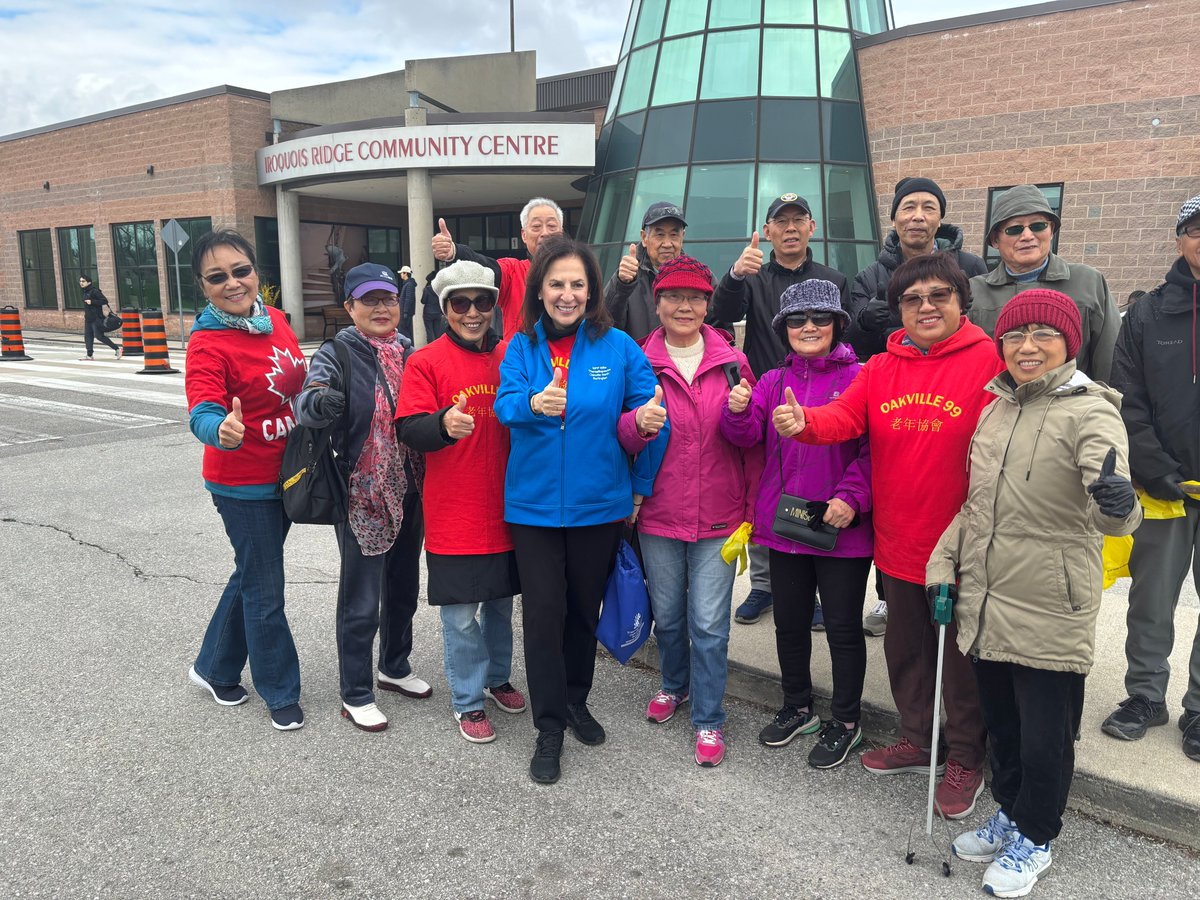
(1192, 231)
(1041, 337)
(1035, 227)
(781, 222)
(939, 297)
(461, 305)
(372, 302)
(683, 299)
(820, 319)
(217, 278)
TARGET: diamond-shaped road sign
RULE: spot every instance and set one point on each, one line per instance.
(174, 236)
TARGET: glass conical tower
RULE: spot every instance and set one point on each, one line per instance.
(722, 105)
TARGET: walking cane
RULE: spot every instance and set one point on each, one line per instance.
(942, 610)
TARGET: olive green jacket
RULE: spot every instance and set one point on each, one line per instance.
(1026, 545)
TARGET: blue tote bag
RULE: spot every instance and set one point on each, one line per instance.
(625, 617)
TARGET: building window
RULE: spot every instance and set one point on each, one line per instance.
(668, 137)
(678, 71)
(192, 296)
(788, 12)
(731, 13)
(383, 247)
(686, 15)
(37, 269)
(77, 256)
(136, 262)
(718, 202)
(266, 250)
(1053, 194)
(787, 63)
(500, 235)
(730, 64)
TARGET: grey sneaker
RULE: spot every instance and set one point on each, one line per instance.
(1016, 868)
(983, 844)
(875, 622)
(1133, 716)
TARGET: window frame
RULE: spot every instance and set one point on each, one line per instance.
(991, 256)
(46, 268)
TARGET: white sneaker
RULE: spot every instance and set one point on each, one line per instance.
(409, 686)
(875, 623)
(982, 846)
(367, 717)
(1016, 867)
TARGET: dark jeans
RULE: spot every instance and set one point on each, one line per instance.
(563, 573)
(1030, 715)
(92, 330)
(377, 594)
(249, 620)
(842, 581)
(434, 328)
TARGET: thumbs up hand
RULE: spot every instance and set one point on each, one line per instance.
(789, 416)
(628, 269)
(739, 397)
(1113, 494)
(232, 429)
(751, 259)
(651, 416)
(456, 421)
(552, 401)
(443, 243)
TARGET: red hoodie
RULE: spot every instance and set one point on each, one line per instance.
(919, 412)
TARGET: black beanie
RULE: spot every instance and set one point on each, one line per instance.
(906, 186)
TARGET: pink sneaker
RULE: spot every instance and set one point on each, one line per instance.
(475, 727)
(710, 747)
(507, 697)
(663, 705)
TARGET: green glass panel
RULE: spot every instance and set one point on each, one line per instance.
(636, 89)
(613, 212)
(653, 185)
(625, 141)
(650, 22)
(668, 135)
(609, 257)
(832, 13)
(193, 297)
(788, 129)
(678, 71)
(851, 205)
(777, 179)
(845, 138)
(76, 256)
(136, 265)
(725, 130)
(868, 16)
(685, 15)
(731, 64)
(618, 83)
(789, 62)
(788, 12)
(731, 13)
(718, 202)
(850, 259)
(839, 80)
(719, 256)
(37, 269)
(630, 26)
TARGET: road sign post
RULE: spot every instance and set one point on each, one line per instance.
(174, 237)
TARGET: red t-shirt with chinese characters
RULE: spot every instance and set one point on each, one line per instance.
(463, 494)
(560, 357)
(919, 412)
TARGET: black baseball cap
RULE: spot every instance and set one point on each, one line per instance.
(663, 209)
(788, 199)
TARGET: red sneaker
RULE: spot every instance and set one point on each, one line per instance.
(956, 793)
(900, 758)
(475, 727)
(507, 697)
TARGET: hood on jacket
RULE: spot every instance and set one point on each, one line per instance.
(717, 347)
(1181, 294)
(968, 334)
(842, 354)
(947, 237)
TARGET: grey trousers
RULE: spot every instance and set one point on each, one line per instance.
(760, 567)
(1163, 551)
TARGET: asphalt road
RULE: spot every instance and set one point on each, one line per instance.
(119, 779)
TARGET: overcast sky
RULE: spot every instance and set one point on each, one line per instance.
(61, 60)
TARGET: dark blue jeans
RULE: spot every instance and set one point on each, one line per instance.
(249, 620)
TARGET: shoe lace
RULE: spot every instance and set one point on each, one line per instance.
(476, 716)
(1017, 851)
(786, 714)
(549, 743)
(880, 608)
(994, 828)
(1140, 705)
(904, 745)
(831, 733)
(956, 776)
(710, 737)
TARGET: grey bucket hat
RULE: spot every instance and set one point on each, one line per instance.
(1022, 200)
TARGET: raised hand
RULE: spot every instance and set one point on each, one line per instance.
(628, 269)
(443, 243)
(552, 401)
(739, 396)
(232, 428)
(456, 421)
(1113, 494)
(789, 416)
(651, 416)
(751, 259)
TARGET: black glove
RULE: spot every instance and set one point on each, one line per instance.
(1165, 487)
(1113, 494)
(330, 404)
(941, 611)
(875, 316)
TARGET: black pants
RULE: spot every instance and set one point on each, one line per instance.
(378, 594)
(434, 328)
(1030, 716)
(563, 573)
(93, 330)
(795, 579)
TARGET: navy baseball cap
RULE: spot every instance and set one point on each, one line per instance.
(370, 277)
(787, 200)
(663, 209)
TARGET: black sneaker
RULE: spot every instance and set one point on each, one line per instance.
(834, 745)
(226, 696)
(788, 723)
(289, 718)
(1189, 724)
(580, 720)
(544, 767)
(1133, 716)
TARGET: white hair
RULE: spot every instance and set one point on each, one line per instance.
(534, 204)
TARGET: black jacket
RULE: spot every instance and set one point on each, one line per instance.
(756, 299)
(94, 309)
(875, 277)
(632, 304)
(1155, 367)
(408, 297)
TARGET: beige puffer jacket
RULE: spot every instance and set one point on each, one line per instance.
(1026, 545)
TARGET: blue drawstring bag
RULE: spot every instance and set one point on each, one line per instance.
(625, 617)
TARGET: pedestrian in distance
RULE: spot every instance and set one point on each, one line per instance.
(629, 293)
(408, 301)
(95, 311)
(577, 397)
(818, 368)
(244, 367)
(380, 543)
(1049, 453)
(431, 310)
(702, 494)
(446, 412)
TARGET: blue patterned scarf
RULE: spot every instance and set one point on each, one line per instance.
(258, 322)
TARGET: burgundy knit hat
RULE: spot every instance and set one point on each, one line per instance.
(1043, 307)
(683, 273)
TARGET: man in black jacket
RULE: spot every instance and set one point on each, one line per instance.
(1154, 366)
(629, 293)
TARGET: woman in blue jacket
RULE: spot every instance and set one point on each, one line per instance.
(569, 485)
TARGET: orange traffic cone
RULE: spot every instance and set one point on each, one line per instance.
(12, 346)
(154, 332)
(131, 333)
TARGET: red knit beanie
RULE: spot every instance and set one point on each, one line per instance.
(1042, 307)
(683, 273)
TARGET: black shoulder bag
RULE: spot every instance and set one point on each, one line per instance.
(312, 484)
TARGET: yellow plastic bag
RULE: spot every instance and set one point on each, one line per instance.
(1116, 558)
(735, 547)
(1153, 508)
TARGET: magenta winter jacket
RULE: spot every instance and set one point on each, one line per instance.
(809, 471)
(705, 485)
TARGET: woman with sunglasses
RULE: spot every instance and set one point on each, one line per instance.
(918, 403)
(244, 366)
(817, 369)
(380, 544)
(577, 396)
(445, 411)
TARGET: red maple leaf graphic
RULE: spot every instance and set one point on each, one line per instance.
(286, 377)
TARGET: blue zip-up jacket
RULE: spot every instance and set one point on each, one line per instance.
(572, 471)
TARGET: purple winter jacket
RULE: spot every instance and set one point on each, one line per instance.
(814, 472)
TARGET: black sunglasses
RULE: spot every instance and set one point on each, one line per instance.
(1035, 227)
(221, 277)
(820, 319)
(461, 305)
